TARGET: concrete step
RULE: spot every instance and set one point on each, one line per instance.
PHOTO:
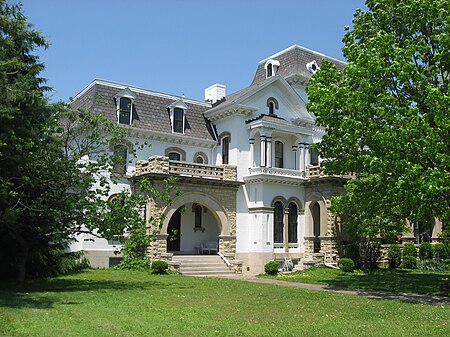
(201, 265)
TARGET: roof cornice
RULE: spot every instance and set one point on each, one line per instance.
(296, 46)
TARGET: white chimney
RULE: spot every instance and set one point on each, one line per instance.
(215, 92)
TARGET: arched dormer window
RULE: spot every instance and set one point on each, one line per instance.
(124, 106)
(177, 112)
(272, 105)
(271, 67)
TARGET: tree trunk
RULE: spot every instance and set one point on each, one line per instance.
(22, 258)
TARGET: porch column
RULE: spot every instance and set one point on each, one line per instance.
(251, 152)
(263, 151)
(301, 157)
(269, 151)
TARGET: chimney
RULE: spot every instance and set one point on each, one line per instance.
(215, 93)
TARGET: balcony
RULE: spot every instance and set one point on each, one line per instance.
(165, 166)
(311, 172)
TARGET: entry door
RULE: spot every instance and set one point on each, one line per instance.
(173, 230)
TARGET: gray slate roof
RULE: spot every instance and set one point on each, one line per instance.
(149, 110)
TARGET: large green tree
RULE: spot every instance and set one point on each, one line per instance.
(55, 165)
(386, 115)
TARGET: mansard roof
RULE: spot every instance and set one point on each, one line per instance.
(292, 62)
(150, 108)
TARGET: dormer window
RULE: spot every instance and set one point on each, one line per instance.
(124, 106)
(177, 113)
(312, 67)
(271, 68)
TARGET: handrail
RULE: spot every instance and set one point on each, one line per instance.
(224, 259)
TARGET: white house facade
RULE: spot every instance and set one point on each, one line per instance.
(249, 176)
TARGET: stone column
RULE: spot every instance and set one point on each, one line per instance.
(263, 151)
(251, 152)
(269, 151)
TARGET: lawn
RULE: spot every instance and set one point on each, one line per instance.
(401, 280)
(124, 303)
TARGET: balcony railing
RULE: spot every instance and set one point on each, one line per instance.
(163, 165)
(310, 172)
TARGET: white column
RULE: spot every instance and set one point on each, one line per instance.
(301, 157)
(269, 151)
(251, 153)
(263, 151)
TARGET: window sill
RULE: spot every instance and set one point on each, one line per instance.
(198, 229)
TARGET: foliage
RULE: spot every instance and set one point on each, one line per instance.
(271, 268)
(56, 166)
(409, 249)
(426, 251)
(159, 267)
(138, 264)
(370, 253)
(394, 255)
(409, 262)
(433, 265)
(386, 116)
(442, 251)
(346, 265)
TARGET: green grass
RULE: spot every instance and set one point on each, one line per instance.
(401, 280)
(125, 303)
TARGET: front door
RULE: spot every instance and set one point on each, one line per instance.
(173, 230)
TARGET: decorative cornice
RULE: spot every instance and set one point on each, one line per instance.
(229, 110)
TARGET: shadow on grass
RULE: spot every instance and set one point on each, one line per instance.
(40, 293)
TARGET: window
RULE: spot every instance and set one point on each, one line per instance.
(278, 154)
(272, 105)
(314, 157)
(225, 149)
(312, 67)
(174, 156)
(177, 111)
(271, 108)
(198, 216)
(278, 215)
(316, 226)
(125, 111)
(120, 159)
(199, 160)
(124, 105)
(178, 120)
(271, 68)
(292, 223)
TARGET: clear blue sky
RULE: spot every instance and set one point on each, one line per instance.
(178, 46)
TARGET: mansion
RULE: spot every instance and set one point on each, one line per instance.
(252, 189)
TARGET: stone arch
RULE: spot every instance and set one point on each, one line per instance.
(298, 202)
(280, 199)
(209, 202)
(322, 202)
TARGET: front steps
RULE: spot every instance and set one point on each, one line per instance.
(202, 265)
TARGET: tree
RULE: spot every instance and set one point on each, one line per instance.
(386, 115)
(55, 164)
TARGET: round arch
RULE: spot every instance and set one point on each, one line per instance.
(218, 211)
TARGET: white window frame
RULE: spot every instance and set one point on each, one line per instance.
(274, 64)
(125, 93)
(180, 105)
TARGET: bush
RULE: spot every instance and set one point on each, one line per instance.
(271, 268)
(433, 265)
(370, 253)
(346, 265)
(442, 251)
(139, 264)
(425, 251)
(394, 256)
(409, 262)
(409, 250)
(159, 267)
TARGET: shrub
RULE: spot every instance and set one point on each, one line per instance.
(442, 251)
(140, 264)
(394, 255)
(433, 265)
(409, 250)
(271, 268)
(409, 262)
(159, 267)
(425, 251)
(370, 253)
(346, 265)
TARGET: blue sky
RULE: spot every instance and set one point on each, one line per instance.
(175, 46)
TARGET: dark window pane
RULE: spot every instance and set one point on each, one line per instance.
(269, 70)
(278, 154)
(278, 217)
(314, 157)
(125, 111)
(198, 216)
(225, 150)
(178, 120)
(271, 108)
(199, 160)
(174, 156)
(292, 223)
